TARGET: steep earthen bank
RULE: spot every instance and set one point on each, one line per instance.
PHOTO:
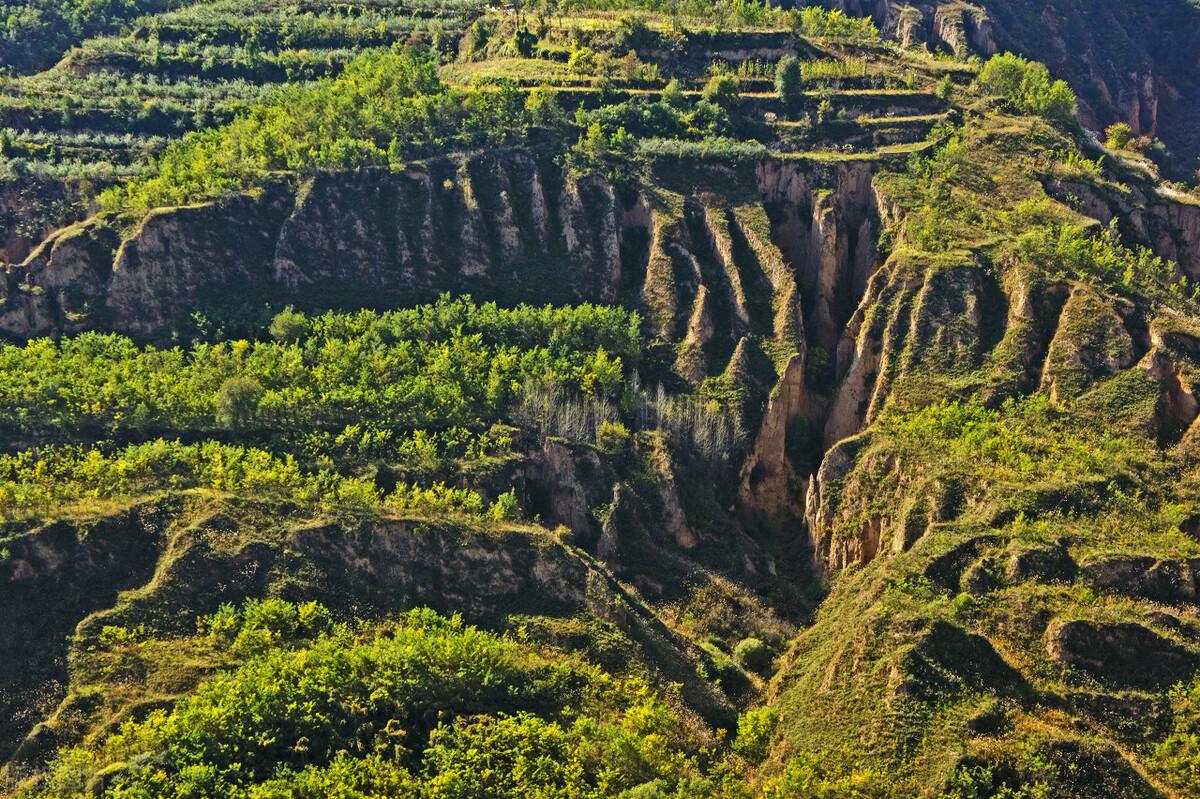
(177, 558)
(769, 276)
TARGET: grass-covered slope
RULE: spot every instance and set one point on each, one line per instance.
(853, 455)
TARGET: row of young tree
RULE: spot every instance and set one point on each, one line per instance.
(36, 33)
(454, 363)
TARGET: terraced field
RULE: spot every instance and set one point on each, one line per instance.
(114, 102)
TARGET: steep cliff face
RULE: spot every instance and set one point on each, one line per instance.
(499, 226)
(31, 209)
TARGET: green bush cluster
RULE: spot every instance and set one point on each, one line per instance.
(384, 108)
(1020, 440)
(1178, 755)
(39, 481)
(426, 707)
(1028, 86)
(1072, 251)
(822, 23)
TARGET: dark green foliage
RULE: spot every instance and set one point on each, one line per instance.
(237, 401)
(753, 654)
(38, 31)
(789, 82)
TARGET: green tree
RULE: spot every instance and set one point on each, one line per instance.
(723, 89)
(1118, 136)
(945, 89)
(582, 61)
(289, 326)
(789, 82)
(1027, 85)
(237, 402)
(543, 108)
(673, 95)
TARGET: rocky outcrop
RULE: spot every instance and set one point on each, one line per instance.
(946, 659)
(1091, 343)
(1043, 564)
(940, 315)
(820, 507)
(772, 485)
(186, 561)
(1119, 653)
(825, 221)
(52, 576)
(563, 483)
(1168, 581)
(1172, 362)
(32, 208)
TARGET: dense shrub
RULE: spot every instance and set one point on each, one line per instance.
(823, 23)
(1071, 250)
(1178, 755)
(36, 32)
(1028, 86)
(753, 654)
(789, 82)
(384, 108)
(723, 89)
(427, 707)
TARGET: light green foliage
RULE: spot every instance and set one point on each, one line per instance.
(723, 89)
(261, 624)
(945, 89)
(1178, 755)
(1028, 86)
(438, 498)
(544, 109)
(427, 707)
(437, 366)
(672, 94)
(823, 23)
(1008, 445)
(756, 728)
(384, 108)
(612, 436)
(983, 782)
(1118, 136)
(582, 61)
(1070, 250)
(237, 402)
(808, 777)
(36, 482)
